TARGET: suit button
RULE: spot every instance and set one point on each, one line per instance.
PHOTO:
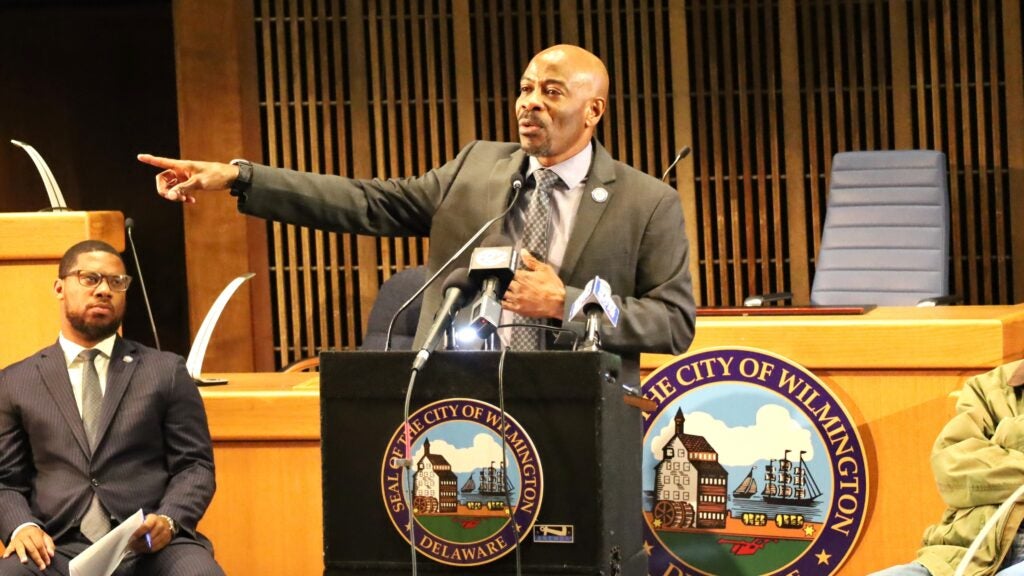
(95, 483)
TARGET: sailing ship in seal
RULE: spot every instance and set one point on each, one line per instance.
(790, 482)
(492, 489)
(747, 488)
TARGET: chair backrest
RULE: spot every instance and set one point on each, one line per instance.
(393, 293)
(886, 234)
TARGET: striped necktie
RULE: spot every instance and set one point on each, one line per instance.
(96, 521)
(535, 239)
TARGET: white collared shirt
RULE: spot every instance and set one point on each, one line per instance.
(75, 364)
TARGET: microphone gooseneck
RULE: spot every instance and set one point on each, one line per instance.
(129, 224)
(516, 184)
(683, 153)
(458, 287)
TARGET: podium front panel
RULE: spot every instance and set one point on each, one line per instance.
(587, 439)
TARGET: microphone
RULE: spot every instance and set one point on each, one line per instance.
(683, 153)
(129, 224)
(492, 266)
(457, 288)
(595, 303)
(516, 184)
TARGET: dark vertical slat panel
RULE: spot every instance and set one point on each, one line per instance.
(611, 120)
(719, 179)
(483, 95)
(311, 149)
(733, 280)
(634, 144)
(704, 154)
(331, 106)
(900, 61)
(867, 48)
(513, 65)
(618, 105)
(360, 252)
(827, 131)
(499, 87)
(849, 83)
(649, 133)
(285, 160)
(760, 34)
(963, 120)
(981, 149)
(433, 118)
(921, 41)
(950, 51)
(682, 104)
(1000, 255)
(937, 136)
(271, 125)
(569, 23)
(1013, 58)
(294, 159)
(387, 130)
(746, 246)
(794, 153)
(662, 90)
(781, 235)
(816, 103)
(465, 77)
(883, 67)
(836, 89)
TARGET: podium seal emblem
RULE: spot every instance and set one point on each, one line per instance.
(751, 466)
(469, 500)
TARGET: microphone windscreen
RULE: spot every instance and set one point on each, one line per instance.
(459, 278)
(517, 180)
(496, 240)
(129, 223)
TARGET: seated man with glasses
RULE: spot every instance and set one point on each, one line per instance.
(96, 427)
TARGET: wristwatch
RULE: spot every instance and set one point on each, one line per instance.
(171, 523)
(241, 184)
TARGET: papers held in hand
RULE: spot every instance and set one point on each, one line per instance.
(103, 557)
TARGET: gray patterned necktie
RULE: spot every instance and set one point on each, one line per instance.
(95, 522)
(535, 239)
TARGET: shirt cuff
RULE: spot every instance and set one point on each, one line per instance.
(18, 529)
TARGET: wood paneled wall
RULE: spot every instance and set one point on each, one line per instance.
(765, 92)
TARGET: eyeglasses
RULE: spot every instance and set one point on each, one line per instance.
(89, 279)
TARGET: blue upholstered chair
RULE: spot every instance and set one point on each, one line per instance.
(393, 293)
(886, 236)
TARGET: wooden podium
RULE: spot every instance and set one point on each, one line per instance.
(31, 245)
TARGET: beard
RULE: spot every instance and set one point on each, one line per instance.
(93, 329)
(535, 148)
(541, 149)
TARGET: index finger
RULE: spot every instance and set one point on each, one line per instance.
(160, 161)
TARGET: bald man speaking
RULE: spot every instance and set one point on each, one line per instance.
(582, 213)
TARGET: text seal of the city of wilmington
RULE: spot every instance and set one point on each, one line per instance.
(464, 494)
(751, 466)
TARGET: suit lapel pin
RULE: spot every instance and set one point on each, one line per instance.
(600, 195)
(127, 359)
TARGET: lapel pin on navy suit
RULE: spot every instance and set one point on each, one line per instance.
(127, 359)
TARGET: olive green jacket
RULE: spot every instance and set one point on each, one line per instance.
(978, 461)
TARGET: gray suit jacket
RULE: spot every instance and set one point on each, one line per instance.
(635, 239)
(154, 450)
